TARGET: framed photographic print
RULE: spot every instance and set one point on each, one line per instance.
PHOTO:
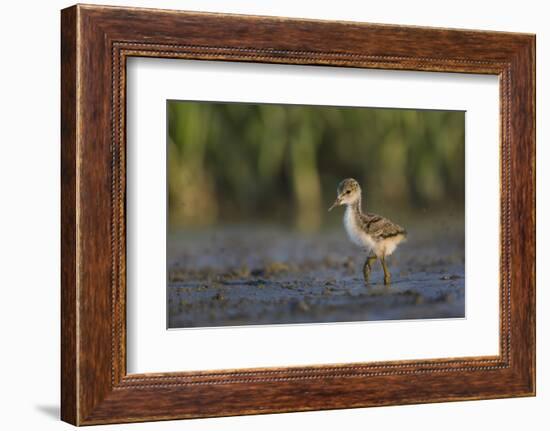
(265, 215)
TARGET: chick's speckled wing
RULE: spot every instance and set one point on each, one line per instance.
(379, 227)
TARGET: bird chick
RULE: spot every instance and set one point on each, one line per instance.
(377, 235)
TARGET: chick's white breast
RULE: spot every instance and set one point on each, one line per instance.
(355, 233)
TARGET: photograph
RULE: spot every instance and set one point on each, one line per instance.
(296, 214)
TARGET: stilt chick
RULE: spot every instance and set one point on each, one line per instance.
(376, 234)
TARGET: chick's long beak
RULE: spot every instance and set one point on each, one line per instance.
(335, 204)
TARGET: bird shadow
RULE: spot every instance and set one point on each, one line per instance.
(51, 411)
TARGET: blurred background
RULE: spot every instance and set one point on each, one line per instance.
(239, 163)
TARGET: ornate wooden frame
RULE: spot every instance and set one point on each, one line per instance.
(95, 43)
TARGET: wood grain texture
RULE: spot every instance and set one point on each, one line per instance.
(96, 41)
(68, 218)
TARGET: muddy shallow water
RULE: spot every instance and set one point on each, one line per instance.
(251, 275)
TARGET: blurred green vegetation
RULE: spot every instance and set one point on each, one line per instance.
(236, 162)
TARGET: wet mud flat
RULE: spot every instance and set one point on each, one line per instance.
(231, 276)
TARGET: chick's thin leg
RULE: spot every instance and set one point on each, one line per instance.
(387, 275)
(368, 266)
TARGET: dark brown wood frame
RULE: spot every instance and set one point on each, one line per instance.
(95, 43)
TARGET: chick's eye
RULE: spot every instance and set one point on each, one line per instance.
(348, 192)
